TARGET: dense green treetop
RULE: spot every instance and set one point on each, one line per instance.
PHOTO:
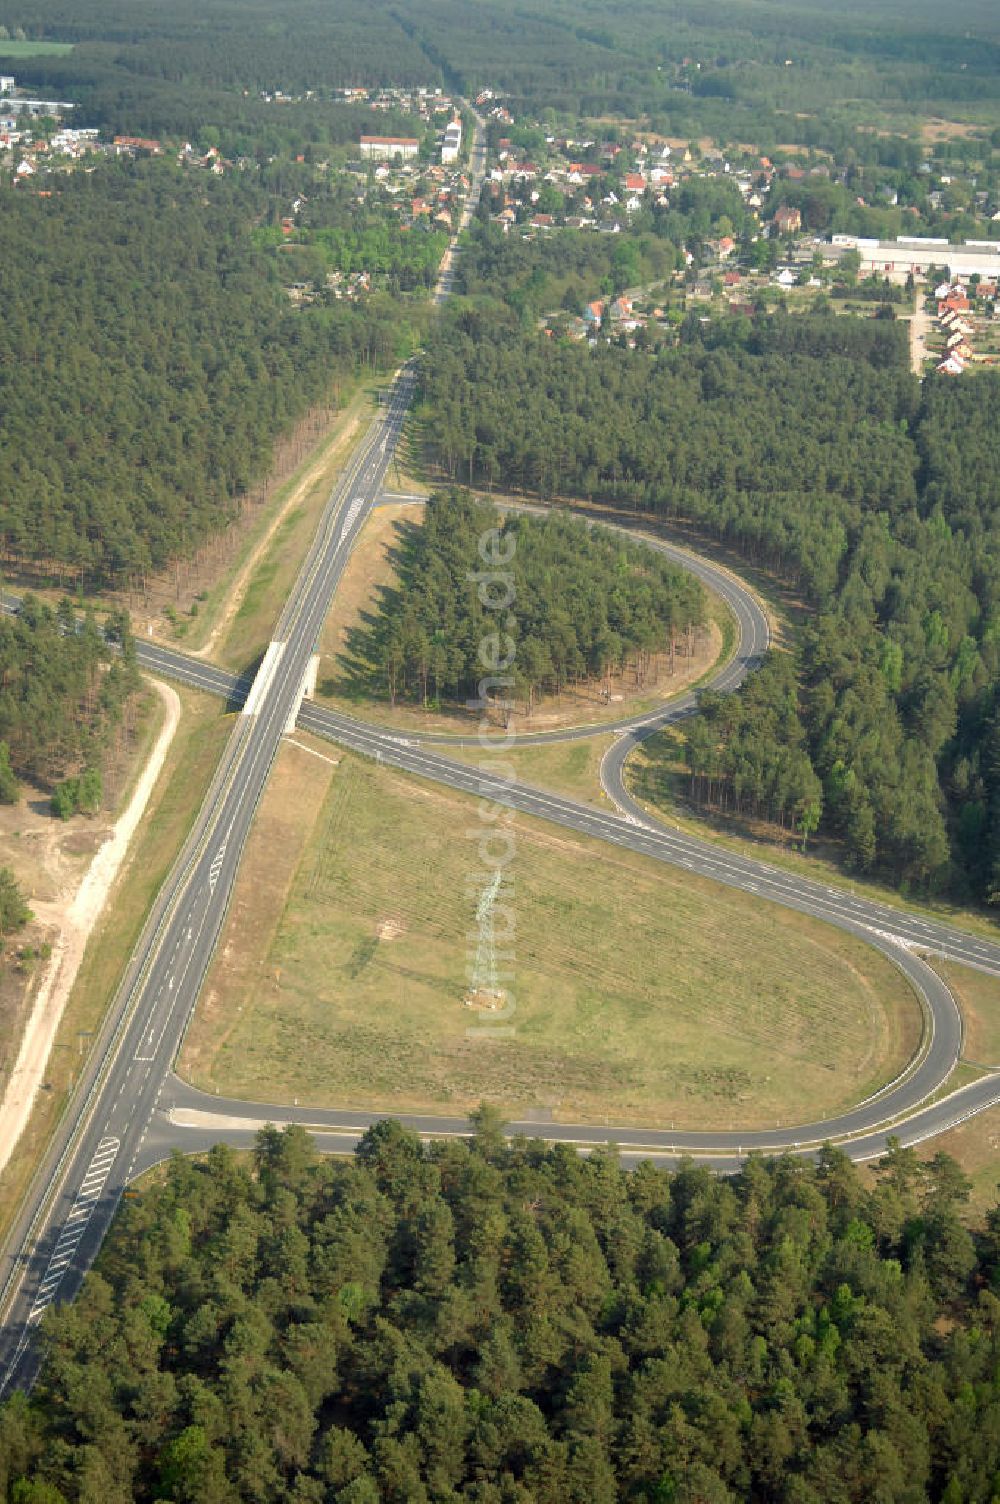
(540, 601)
(806, 442)
(62, 689)
(522, 1325)
(691, 71)
(148, 360)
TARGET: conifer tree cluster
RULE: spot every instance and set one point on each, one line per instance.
(63, 690)
(541, 602)
(806, 444)
(517, 1324)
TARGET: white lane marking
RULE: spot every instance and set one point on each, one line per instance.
(213, 873)
(74, 1226)
(333, 761)
(351, 515)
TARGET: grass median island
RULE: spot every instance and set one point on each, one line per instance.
(978, 996)
(569, 768)
(643, 994)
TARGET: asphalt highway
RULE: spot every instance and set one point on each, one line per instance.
(903, 936)
(638, 829)
(129, 1109)
(101, 1143)
(192, 1121)
(93, 1159)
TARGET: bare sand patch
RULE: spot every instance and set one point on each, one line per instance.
(70, 914)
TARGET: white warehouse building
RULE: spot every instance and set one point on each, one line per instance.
(917, 253)
(386, 148)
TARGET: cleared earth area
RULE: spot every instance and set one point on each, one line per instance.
(640, 994)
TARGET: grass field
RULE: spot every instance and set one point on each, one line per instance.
(570, 768)
(978, 996)
(14, 49)
(641, 994)
(372, 567)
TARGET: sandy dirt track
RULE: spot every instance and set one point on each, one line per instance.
(75, 920)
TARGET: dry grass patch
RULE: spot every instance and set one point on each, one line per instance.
(936, 129)
(642, 995)
(369, 568)
(295, 794)
(569, 768)
(978, 996)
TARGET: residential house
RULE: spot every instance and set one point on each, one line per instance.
(787, 220)
(451, 146)
(136, 146)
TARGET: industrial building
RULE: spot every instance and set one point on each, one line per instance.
(387, 148)
(917, 254)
